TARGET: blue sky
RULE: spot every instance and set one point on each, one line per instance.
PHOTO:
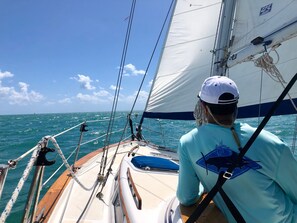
(64, 55)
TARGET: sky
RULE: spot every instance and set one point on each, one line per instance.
(64, 55)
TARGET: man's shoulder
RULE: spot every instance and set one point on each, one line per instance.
(244, 126)
(189, 135)
(264, 135)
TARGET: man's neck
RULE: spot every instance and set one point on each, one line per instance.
(222, 120)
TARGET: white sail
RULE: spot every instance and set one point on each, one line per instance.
(275, 21)
(186, 59)
(187, 56)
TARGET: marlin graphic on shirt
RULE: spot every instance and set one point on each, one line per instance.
(222, 157)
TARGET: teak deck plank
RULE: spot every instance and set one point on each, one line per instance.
(210, 215)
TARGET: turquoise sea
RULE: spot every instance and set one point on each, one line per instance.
(19, 133)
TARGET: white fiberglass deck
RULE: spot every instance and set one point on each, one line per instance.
(156, 189)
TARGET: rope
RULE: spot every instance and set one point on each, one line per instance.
(266, 63)
(34, 154)
(53, 140)
(20, 185)
(269, 67)
(48, 179)
(92, 140)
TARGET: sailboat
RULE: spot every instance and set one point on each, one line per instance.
(252, 42)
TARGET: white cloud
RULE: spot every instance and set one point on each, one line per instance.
(113, 87)
(21, 96)
(85, 81)
(86, 98)
(95, 97)
(102, 93)
(130, 70)
(24, 87)
(142, 97)
(5, 74)
(150, 83)
(65, 101)
(4, 91)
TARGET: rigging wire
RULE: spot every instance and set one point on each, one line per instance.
(115, 101)
(13, 162)
(70, 155)
(152, 55)
(102, 169)
(293, 148)
(260, 96)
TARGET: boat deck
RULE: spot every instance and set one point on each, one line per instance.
(77, 203)
(134, 191)
(154, 188)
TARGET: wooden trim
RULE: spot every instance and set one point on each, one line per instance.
(50, 199)
(211, 214)
(131, 150)
(48, 202)
(134, 191)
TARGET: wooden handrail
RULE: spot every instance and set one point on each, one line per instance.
(134, 191)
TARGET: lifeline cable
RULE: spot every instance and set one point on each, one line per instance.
(20, 185)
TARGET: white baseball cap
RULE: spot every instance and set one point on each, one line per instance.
(219, 90)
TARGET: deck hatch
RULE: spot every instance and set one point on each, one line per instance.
(154, 163)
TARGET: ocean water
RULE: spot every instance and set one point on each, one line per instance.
(19, 133)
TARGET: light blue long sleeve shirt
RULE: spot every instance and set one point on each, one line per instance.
(264, 189)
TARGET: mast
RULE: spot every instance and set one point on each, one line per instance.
(223, 37)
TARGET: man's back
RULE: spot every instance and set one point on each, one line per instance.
(263, 188)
